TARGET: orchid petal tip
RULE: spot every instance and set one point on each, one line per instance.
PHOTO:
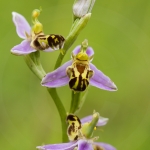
(40, 148)
(114, 87)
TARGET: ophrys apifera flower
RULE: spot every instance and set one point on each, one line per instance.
(33, 37)
(78, 131)
(79, 72)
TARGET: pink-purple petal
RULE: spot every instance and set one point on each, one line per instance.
(105, 146)
(57, 77)
(76, 50)
(56, 83)
(100, 80)
(21, 24)
(89, 51)
(84, 145)
(101, 122)
(23, 48)
(63, 146)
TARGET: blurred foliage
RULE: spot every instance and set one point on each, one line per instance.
(119, 32)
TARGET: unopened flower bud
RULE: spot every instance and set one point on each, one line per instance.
(36, 13)
(82, 7)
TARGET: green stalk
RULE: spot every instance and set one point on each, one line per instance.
(75, 102)
(61, 110)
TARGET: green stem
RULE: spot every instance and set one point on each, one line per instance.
(61, 110)
(75, 102)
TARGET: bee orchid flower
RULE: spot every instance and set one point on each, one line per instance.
(79, 73)
(82, 142)
(33, 37)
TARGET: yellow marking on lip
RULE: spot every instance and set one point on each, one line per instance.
(53, 36)
(82, 56)
(56, 40)
(74, 127)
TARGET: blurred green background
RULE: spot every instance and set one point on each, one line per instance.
(119, 32)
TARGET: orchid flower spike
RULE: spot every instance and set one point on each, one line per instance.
(33, 37)
(79, 72)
